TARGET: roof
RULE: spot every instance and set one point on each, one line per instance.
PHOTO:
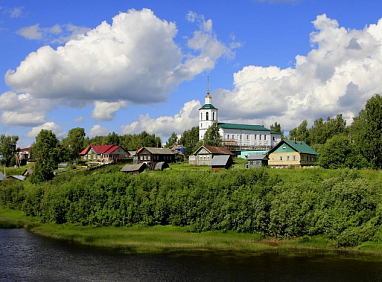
(253, 157)
(207, 107)
(220, 160)
(299, 146)
(216, 150)
(133, 167)
(157, 151)
(100, 149)
(161, 166)
(18, 177)
(255, 127)
(24, 150)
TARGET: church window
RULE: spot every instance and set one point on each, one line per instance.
(228, 136)
(207, 116)
(259, 137)
(247, 137)
(201, 116)
(213, 115)
(241, 137)
(265, 137)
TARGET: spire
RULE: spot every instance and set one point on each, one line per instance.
(208, 96)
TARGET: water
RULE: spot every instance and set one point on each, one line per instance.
(27, 257)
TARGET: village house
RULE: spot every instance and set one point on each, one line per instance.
(292, 153)
(257, 160)
(104, 153)
(221, 162)
(152, 154)
(205, 154)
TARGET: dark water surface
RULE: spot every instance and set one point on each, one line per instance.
(27, 257)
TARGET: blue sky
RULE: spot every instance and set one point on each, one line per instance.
(129, 66)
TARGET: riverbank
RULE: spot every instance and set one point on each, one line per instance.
(169, 239)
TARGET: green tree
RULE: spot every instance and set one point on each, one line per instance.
(173, 139)
(337, 153)
(112, 139)
(8, 148)
(75, 142)
(189, 140)
(276, 127)
(46, 151)
(366, 131)
(212, 136)
(301, 132)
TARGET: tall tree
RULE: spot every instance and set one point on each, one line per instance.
(212, 136)
(276, 127)
(173, 139)
(189, 140)
(8, 148)
(113, 139)
(75, 142)
(46, 151)
(337, 153)
(301, 132)
(366, 131)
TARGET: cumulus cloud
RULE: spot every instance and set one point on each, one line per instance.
(164, 126)
(337, 76)
(134, 60)
(22, 109)
(98, 130)
(105, 111)
(55, 128)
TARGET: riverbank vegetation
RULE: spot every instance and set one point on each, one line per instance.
(344, 206)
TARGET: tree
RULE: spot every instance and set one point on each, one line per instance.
(212, 136)
(8, 148)
(173, 139)
(366, 131)
(189, 140)
(301, 132)
(75, 142)
(113, 139)
(46, 151)
(276, 127)
(337, 153)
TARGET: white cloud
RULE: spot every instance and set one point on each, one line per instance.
(79, 119)
(164, 126)
(22, 109)
(55, 128)
(98, 130)
(14, 12)
(105, 111)
(337, 76)
(133, 60)
(31, 32)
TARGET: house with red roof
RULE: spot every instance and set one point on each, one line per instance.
(104, 153)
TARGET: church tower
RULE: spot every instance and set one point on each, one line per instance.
(208, 114)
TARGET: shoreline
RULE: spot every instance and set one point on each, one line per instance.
(170, 239)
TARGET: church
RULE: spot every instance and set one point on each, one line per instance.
(236, 137)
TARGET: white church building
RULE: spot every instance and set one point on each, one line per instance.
(237, 137)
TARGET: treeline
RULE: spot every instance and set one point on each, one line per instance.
(358, 145)
(342, 204)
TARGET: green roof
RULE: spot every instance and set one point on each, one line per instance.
(242, 126)
(299, 146)
(208, 106)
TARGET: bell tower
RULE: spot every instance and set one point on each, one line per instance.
(208, 114)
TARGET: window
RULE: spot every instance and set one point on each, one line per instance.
(247, 137)
(228, 136)
(259, 137)
(201, 116)
(241, 136)
(265, 137)
(201, 124)
(213, 116)
(281, 158)
(207, 116)
(294, 158)
(287, 158)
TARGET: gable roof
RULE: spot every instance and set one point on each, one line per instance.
(215, 150)
(255, 127)
(208, 106)
(253, 157)
(156, 151)
(220, 160)
(298, 146)
(101, 149)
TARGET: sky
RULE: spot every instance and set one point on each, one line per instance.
(129, 66)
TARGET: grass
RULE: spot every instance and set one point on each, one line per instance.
(170, 239)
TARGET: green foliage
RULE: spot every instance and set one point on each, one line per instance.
(47, 152)
(8, 149)
(276, 127)
(172, 140)
(337, 153)
(212, 136)
(74, 143)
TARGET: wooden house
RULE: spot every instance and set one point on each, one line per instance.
(205, 154)
(151, 154)
(104, 153)
(221, 162)
(257, 160)
(292, 153)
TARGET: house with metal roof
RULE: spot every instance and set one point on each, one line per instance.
(134, 168)
(236, 137)
(104, 153)
(204, 154)
(292, 153)
(257, 160)
(152, 154)
(221, 162)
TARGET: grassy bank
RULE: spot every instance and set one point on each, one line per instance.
(166, 239)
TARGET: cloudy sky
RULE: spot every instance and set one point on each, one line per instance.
(128, 66)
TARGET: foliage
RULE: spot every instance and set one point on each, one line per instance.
(8, 148)
(46, 151)
(212, 136)
(337, 153)
(276, 127)
(74, 143)
(189, 140)
(172, 140)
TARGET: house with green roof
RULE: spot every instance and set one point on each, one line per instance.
(236, 137)
(292, 153)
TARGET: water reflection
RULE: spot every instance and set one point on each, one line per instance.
(28, 257)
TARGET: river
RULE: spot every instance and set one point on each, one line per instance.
(25, 256)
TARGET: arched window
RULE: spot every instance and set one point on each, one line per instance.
(213, 115)
(207, 116)
(201, 116)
